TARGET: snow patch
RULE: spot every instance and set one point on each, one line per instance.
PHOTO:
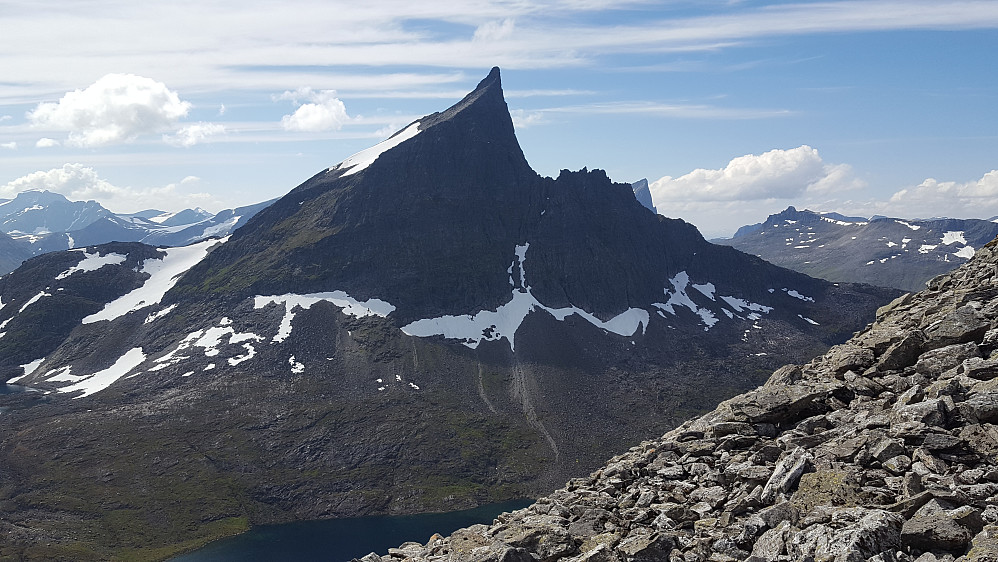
(157, 315)
(350, 306)
(954, 236)
(30, 367)
(63, 375)
(965, 252)
(843, 223)
(925, 248)
(164, 273)
(808, 320)
(492, 325)
(103, 379)
(30, 302)
(793, 293)
(366, 157)
(296, 367)
(220, 229)
(741, 305)
(707, 289)
(92, 262)
(909, 225)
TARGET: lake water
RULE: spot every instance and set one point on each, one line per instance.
(12, 389)
(339, 540)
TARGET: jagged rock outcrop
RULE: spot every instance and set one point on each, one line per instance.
(882, 450)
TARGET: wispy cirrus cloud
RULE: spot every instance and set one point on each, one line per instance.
(252, 44)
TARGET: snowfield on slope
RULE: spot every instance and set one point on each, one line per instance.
(163, 272)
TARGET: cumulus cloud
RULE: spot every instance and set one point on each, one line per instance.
(116, 108)
(46, 142)
(322, 112)
(9, 145)
(194, 134)
(948, 198)
(777, 174)
(78, 182)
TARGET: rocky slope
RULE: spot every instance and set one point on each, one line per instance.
(888, 252)
(423, 327)
(884, 449)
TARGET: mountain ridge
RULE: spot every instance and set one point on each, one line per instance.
(269, 376)
(891, 252)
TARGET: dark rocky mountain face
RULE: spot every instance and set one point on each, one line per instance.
(889, 252)
(884, 449)
(426, 326)
(12, 253)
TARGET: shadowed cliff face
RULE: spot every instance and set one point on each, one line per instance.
(428, 325)
(882, 449)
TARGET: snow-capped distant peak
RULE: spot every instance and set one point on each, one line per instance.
(366, 157)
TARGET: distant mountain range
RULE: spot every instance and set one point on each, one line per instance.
(427, 325)
(889, 252)
(38, 222)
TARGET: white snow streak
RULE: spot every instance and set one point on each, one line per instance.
(32, 301)
(157, 315)
(163, 272)
(350, 306)
(493, 325)
(366, 157)
(92, 262)
(103, 379)
(793, 293)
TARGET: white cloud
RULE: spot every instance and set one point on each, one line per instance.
(78, 182)
(494, 30)
(777, 174)
(324, 112)
(523, 119)
(948, 198)
(9, 145)
(46, 142)
(116, 108)
(194, 134)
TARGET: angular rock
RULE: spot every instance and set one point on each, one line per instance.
(853, 535)
(945, 358)
(786, 474)
(964, 324)
(936, 526)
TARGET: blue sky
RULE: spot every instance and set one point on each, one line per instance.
(731, 109)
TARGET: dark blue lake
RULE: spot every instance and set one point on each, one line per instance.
(339, 540)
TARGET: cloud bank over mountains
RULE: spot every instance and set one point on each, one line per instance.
(81, 183)
(752, 186)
